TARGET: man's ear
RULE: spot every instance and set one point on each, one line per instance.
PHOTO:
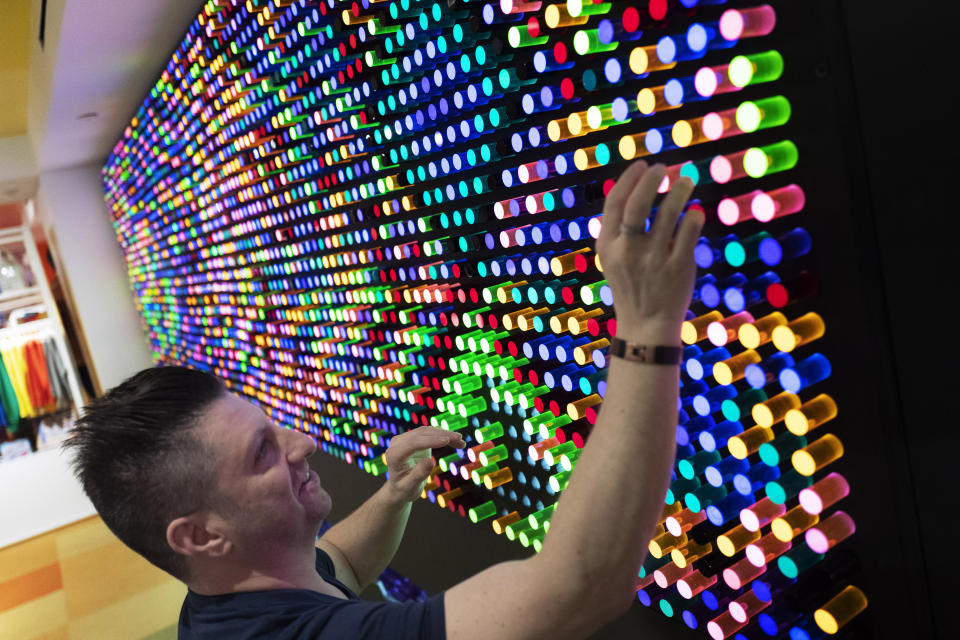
(199, 535)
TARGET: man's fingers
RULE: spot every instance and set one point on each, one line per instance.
(616, 200)
(409, 443)
(637, 208)
(669, 213)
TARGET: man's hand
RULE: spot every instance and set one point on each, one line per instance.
(409, 462)
(651, 273)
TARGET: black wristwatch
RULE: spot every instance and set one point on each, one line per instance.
(645, 353)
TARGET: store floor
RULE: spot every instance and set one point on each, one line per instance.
(79, 582)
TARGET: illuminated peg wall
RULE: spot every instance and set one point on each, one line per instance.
(368, 216)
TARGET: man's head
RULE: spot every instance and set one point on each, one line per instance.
(193, 477)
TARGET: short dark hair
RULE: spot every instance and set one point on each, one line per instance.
(140, 461)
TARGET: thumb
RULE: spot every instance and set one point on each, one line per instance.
(424, 468)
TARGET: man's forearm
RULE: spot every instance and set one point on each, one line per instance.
(369, 537)
(607, 513)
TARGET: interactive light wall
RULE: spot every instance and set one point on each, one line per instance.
(370, 216)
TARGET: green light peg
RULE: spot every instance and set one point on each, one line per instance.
(552, 455)
(529, 537)
(476, 476)
(537, 518)
(446, 461)
(462, 340)
(519, 36)
(488, 433)
(532, 424)
(526, 399)
(586, 42)
(472, 406)
(481, 512)
(489, 338)
(375, 27)
(569, 460)
(590, 293)
(480, 364)
(551, 426)
(444, 402)
(498, 393)
(762, 161)
(495, 454)
(452, 422)
(376, 466)
(577, 8)
(514, 530)
(755, 68)
(471, 383)
(559, 481)
(762, 114)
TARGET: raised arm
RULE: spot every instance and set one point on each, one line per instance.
(363, 544)
(585, 572)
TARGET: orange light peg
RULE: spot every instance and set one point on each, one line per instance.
(735, 539)
(557, 130)
(824, 536)
(760, 331)
(817, 454)
(651, 100)
(732, 369)
(740, 573)
(567, 263)
(695, 330)
(824, 493)
(645, 59)
(669, 510)
(757, 516)
(840, 610)
(577, 409)
(686, 555)
(584, 353)
(744, 444)
(444, 498)
(792, 523)
(670, 573)
(802, 330)
(694, 583)
(500, 524)
(664, 543)
(497, 478)
(765, 549)
(811, 414)
(509, 320)
(771, 411)
(558, 323)
(536, 450)
(525, 320)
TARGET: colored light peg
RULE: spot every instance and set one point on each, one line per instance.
(721, 332)
(817, 454)
(840, 610)
(755, 68)
(793, 244)
(731, 369)
(762, 551)
(760, 205)
(760, 332)
(800, 331)
(830, 532)
(752, 22)
(698, 364)
(808, 371)
(694, 330)
(824, 493)
(747, 606)
(759, 515)
(736, 539)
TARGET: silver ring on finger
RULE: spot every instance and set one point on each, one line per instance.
(630, 230)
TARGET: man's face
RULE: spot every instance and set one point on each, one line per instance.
(262, 469)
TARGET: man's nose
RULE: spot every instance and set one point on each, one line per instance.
(299, 445)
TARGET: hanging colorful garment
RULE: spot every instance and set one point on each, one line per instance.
(8, 398)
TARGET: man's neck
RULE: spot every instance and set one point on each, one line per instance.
(282, 571)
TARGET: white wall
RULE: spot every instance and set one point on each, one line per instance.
(71, 207)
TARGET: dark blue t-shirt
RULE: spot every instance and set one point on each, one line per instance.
(300, 614)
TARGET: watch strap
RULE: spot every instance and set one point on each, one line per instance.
(645, 353)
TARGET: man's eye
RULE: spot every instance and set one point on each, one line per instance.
(262, 450)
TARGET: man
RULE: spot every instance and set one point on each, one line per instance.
(206, 487)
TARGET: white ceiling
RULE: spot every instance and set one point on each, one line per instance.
(108, 53)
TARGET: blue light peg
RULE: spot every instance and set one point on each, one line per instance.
(716, 438)
(755, 478)
(808, 371)
(762, 374)
(711, 401)
(793, 244)
(724, 470)
(697, 367)
(687, 432)
(728, 508)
